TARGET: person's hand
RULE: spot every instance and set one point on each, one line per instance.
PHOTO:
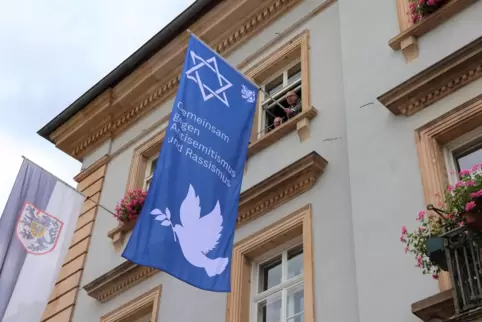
(288, 111)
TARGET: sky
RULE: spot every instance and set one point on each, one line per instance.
(53, 51)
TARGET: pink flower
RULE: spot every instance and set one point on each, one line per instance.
(469, 205)
(464, 172)
(420, 2)
(450, 188)
(431, 2)
(476, 194)
(470, 183)
(475, 167)
(419, 261)
(435, 276)
(404, 230)
(459, 184)
(421, 214)
(402, 239)
(421, 228)
(406, 249)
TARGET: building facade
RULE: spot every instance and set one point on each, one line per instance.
(389, 107)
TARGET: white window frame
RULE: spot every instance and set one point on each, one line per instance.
(284, 286)
(455, 146)
(148, 175)
(264, 99)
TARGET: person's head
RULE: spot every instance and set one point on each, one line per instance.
(277, 121)
(291, 97)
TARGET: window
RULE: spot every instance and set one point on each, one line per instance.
(273, 97)
(283, 70)
(463, 153)
(442, 136)
(144, 162)
(279, 261)
(141, 309)
(151, 167)
(279, 289)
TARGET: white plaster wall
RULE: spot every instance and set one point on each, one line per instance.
(335, 284)
(386, 190)
(98, 153)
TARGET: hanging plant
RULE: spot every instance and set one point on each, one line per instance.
(129, 208)
(462, 205)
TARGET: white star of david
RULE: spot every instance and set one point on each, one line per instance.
(207, 92)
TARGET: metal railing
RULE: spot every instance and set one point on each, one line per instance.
(464, 261)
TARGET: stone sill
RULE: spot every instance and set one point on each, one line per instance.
(300, 123)
(119, 233)
(407, 40)
(440, 307)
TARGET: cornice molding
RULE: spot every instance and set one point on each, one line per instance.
(147, 91)
(118, 280)
(280, 188)
(434, 83)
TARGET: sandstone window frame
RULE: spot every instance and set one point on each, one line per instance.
(467, 143)
(297, 48)
(266, 101)
(150, 170)
(406, 40)
(137, 179)
(431, 139)
(143, 155)
(286, 284)
(296, 224)
(147, 303)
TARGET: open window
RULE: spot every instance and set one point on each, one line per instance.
(274, 97)
(283, 71)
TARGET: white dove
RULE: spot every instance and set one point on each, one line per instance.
(199, 235)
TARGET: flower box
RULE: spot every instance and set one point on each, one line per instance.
(436, 251)
(420, 9)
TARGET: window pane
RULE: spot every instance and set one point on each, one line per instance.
(275, 85)
(153, 166)
(270, 274)
(148, 183)
(468, 160)
(295, 262)
(294, 73)
(295, 303)
(269, 310)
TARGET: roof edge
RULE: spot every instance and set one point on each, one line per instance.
(141, 55)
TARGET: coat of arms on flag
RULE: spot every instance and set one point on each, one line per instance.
(37, 230)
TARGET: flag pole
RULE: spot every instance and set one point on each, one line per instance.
(69, 186)
(239, 72)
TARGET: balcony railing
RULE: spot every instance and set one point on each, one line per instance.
(463, 253)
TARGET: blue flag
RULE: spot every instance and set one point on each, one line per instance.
(187, 224)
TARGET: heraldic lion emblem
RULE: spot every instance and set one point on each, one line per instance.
(38, 231)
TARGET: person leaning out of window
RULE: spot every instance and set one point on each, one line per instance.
(294, 108)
